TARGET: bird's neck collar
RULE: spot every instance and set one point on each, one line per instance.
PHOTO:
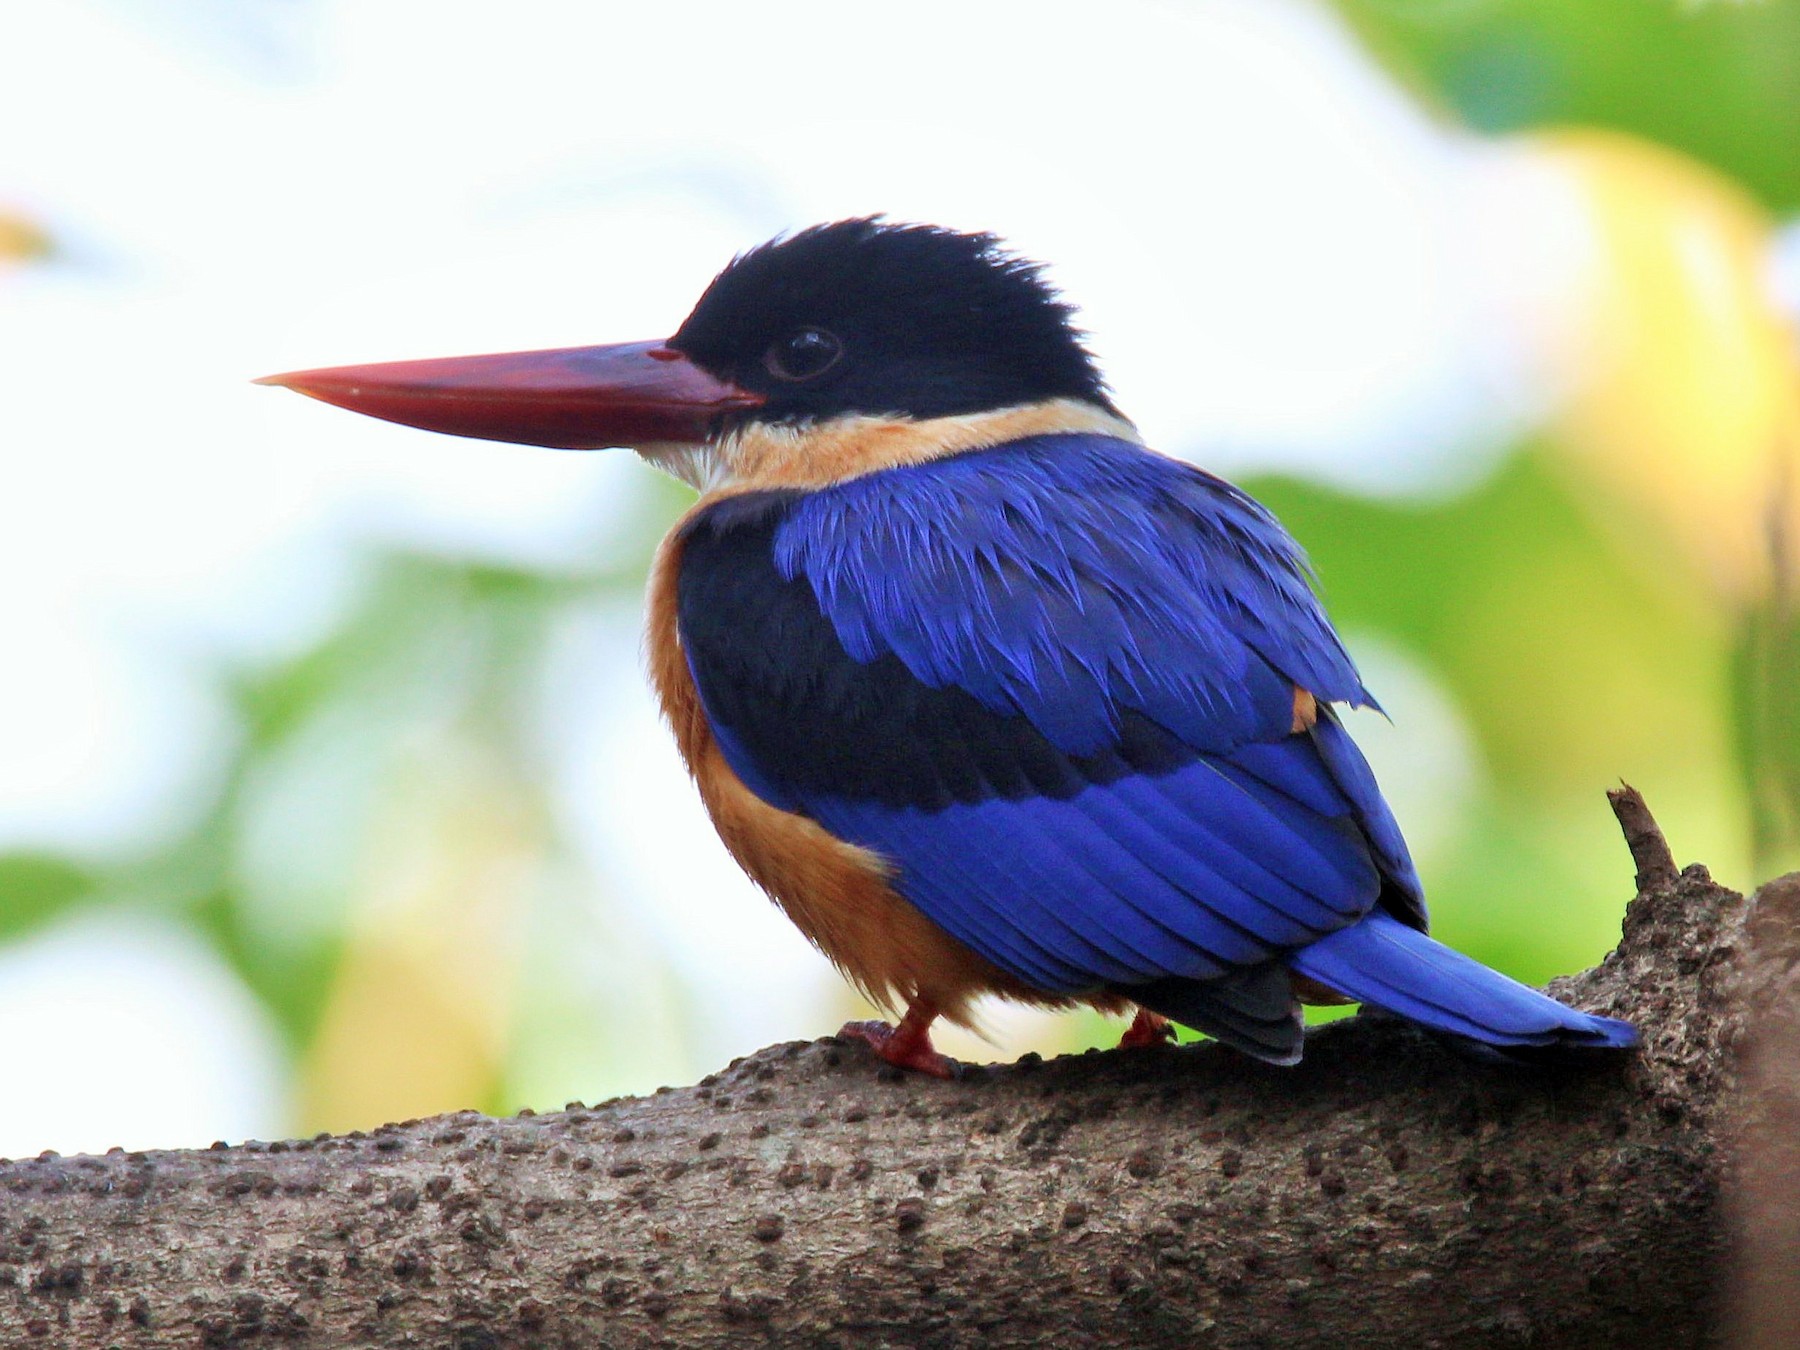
(757, 457)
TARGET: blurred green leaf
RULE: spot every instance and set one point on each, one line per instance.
(1561, 647)
(1766, 672)
(38, 887)
(291, 985)
(1718, 80)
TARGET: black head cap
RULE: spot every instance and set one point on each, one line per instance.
(861, 316)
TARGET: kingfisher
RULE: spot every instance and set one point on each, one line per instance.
(986, 694)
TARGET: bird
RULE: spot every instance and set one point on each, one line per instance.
(990, 697)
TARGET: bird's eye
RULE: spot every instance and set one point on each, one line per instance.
(803, 355)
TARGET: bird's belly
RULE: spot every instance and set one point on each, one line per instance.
(842, 898)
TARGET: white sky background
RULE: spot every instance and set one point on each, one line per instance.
(1280, 261)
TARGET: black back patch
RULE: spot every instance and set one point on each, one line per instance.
(799, 716)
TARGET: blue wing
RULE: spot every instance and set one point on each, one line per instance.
(1072, 578)
(1054, 682)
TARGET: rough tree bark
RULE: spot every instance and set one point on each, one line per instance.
(1764, 1297)
(1386, 1193)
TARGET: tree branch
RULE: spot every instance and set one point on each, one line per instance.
(1384, 1193)
(1765, 1188)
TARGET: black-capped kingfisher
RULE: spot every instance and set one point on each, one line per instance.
(986, 694)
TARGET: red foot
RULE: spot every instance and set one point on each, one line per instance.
(1147, 1028)
(907, 1045)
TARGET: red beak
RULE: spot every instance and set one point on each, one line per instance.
(572, 398)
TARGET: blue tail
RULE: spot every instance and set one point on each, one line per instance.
(1380, 961)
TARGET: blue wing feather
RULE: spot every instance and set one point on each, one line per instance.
(1186, 874)
(1067, 577)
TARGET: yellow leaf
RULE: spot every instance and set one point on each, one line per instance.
(1685, 378)
(21, 239)
(418, 1018)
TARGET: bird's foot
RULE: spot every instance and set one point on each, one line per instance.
(906, 1046)
(1147, 1028)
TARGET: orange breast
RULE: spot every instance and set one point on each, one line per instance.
(836, 893)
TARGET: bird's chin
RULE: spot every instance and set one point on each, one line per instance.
(702, 465)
